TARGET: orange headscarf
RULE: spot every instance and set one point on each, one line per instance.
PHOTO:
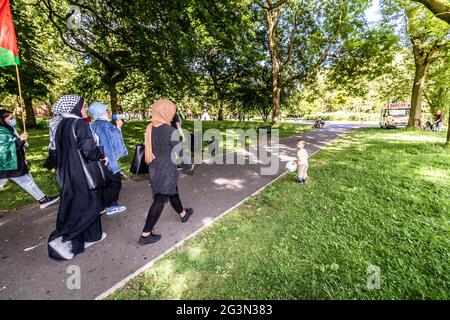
(163, 111)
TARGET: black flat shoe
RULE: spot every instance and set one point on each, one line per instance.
(189, 212)
(153, 238)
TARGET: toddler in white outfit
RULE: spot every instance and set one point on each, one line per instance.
(302, 162)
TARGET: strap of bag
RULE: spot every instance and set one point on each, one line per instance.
(73, 130)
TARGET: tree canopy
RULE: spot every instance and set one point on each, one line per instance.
(261, 58)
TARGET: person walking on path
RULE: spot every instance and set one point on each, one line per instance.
(13, 164)
(111, 139)
(163, 172)
(176, 124)
(439, 121)
(78, 222)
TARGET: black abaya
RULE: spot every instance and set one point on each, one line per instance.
(79, 210)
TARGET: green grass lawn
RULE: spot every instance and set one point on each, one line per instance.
(375, 197)
(13, 197)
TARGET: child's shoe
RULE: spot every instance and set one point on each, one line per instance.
(115, 209)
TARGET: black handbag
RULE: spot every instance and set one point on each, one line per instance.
(138, 165)
(96, 172)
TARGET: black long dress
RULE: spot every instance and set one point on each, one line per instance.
(79, 209)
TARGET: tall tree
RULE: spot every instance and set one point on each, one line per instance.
(250, 95)
(429, 38)
(304, 35)
(147, 37)
(437, 88)
(440, 8)
(91, 28)
(225, 42)
(36, 76)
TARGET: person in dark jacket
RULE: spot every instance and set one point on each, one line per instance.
(159, 154)
(12, 160)
(176, 124)
(78, 222)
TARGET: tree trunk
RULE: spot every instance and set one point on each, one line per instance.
(276, 78)
(263, 116)
(220, 116)
(30, 116)
(415, 116)
(448, 129)
(276, 114)
(115, 99)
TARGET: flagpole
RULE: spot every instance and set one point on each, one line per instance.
(24, 114)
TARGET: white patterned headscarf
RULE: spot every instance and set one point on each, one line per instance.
(65, 104)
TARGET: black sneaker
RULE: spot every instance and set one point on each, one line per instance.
(47, 201)
(179, 167)
(189, 212)
(299, 181)
(152, 238)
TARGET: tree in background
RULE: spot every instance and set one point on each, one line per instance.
(430, 38)
(303, 36)
(225, 45)
(251, 95)
(300, 35)
(437, 89)
(161, 36)
(36, 76)
(92, 32)
(440, 8)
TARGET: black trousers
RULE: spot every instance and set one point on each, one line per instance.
(112, 190)
(159, 200)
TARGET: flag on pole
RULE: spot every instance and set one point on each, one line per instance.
(9, 53)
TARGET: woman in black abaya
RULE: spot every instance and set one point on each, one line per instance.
(78, 223)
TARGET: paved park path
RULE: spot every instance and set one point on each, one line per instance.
(26, 272)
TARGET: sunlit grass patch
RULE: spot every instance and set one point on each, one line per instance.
(381, 201)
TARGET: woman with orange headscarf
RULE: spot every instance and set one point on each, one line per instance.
(162, 168)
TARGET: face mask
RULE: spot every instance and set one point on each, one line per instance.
(13, 123)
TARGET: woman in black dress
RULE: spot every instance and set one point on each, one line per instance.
(78, 223)
(162, 168)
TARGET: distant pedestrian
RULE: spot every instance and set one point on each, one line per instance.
(439, 121)
(13, 164)
(176, 124)
(111, 140)
(159, 154)
(302, 162)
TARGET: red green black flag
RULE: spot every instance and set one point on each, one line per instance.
(9, 53)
